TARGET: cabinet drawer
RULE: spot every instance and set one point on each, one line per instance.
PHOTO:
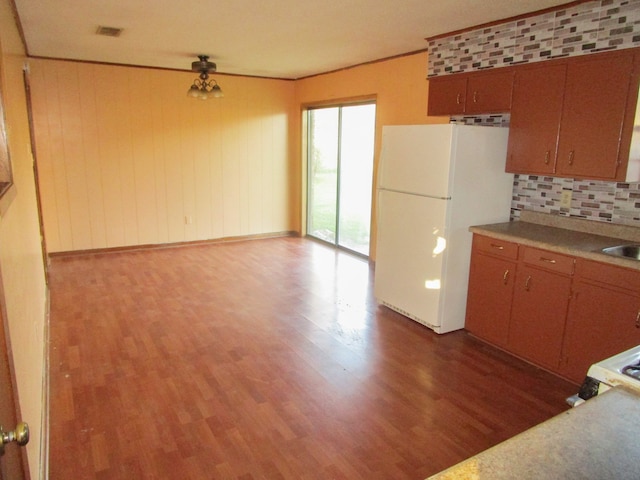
(547, 260)
(493, 246)
(620, 277)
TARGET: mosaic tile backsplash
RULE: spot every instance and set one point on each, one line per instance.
(585, 28)
(500, 120)
(581, 29)
(590, 199)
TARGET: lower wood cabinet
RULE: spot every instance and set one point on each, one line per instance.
(491, 279)
(540, 303)
(604, 318)
(556, 311)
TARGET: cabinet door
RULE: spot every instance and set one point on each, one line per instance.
(602, 322)
(489, 297)
(536, 110)
(490, 92)
(538, 315)
(596, 93)
(447, 95)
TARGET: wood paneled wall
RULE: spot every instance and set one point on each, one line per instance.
(125, 158)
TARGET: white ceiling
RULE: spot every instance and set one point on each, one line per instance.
(269, 38)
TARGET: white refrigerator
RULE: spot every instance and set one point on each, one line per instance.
(434, 182)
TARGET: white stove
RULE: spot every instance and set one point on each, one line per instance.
(622, 369)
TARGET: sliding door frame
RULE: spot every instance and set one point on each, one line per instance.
(306, 124)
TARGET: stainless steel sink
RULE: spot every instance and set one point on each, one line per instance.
(626, 251)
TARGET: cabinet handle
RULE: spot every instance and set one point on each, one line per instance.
(458, 99)
(571, 154)
(499, 247)
(638, 320)
(546, 157)
(475, 97)
(548, 260)
(505, 279)
(527, 284)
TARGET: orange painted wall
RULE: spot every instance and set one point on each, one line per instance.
(399, 87)
(125, 158)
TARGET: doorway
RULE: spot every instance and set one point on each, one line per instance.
(340, 142)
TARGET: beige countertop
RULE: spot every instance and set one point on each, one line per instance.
(570, 236)
(596, 440)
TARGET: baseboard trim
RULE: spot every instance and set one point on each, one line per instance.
(154, 246)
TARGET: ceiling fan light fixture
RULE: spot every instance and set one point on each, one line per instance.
(203, 87)
(203, 65)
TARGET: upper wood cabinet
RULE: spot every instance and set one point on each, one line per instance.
(597, 116)
(536, 111)
(574, 117)
(571, 117)
(473, 93)
(447, 95)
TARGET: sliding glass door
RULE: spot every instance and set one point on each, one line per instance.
(340, 174)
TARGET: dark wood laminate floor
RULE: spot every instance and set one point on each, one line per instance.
(265, 359)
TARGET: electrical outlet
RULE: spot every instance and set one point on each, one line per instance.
(188, 220)
(565, 199)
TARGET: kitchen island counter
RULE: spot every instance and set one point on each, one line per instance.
(596, 440)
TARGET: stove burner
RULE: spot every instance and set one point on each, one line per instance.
(632, 370)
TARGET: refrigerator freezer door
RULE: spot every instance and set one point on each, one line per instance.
(410, 251)
(480, 189)
(416, 159)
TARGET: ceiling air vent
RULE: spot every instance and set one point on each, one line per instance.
(109, 31)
